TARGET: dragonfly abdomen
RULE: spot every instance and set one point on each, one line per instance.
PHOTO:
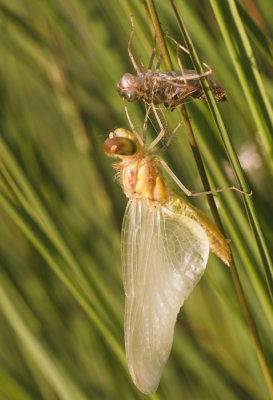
(218, 243)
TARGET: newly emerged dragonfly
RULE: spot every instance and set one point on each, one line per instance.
(165, 248)
(169, 88)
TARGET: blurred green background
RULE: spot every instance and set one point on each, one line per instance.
(61, 294)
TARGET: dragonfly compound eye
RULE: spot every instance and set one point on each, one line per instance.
(119, 147)
(129, 88)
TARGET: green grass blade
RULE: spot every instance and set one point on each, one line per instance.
(246, 67)
(41, 355)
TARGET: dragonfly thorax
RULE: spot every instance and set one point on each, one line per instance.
(142, 178)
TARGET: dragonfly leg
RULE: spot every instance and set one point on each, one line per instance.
(180, 63)
(162, 130)
(132, 125)
(223, 190)
(166, 145)
(148, 108)
(129, 48)
(142, 64)
(198, 76)
(177, 43)
(157, 68)
(152, 56)
(189, 193)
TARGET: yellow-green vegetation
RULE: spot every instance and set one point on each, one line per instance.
(61, 293)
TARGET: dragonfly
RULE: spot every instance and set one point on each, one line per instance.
(165, 248)
(170, 88)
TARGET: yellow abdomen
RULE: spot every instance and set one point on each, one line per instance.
(218, 243)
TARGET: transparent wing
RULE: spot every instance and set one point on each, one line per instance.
(164, 257)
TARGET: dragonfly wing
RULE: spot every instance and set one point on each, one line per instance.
(164, 256)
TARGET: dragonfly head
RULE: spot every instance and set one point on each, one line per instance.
(121, 143)
(128, 88)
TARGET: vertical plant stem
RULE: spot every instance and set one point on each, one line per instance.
(189, 131)
(248, 201)
(264, 252)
